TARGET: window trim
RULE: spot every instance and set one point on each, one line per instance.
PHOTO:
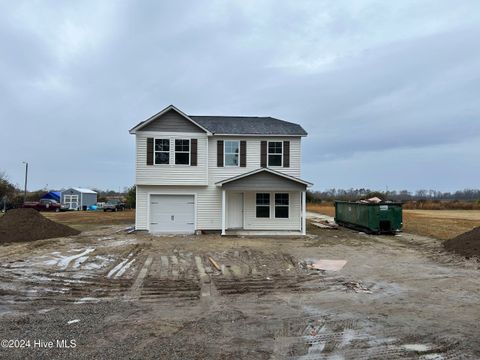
(155, 152)
(225, 153)
(287, 206)
(267, 206)
(189, 152)
(269, 153)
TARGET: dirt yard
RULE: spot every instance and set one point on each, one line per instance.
(119, 295)
(440, 224)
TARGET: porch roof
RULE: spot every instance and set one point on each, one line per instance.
(264, 179)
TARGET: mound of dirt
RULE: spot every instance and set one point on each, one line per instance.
(28, 225)
(466, 244)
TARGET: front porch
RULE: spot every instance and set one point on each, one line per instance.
(263, 202)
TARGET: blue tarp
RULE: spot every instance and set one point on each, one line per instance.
(52, 195)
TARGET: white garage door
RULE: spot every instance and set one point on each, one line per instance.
(172, 214)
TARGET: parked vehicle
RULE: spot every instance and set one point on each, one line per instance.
(43, 205)
(114, 205)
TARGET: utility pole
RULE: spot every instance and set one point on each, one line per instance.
(26, 177)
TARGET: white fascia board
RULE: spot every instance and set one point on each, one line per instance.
(157, 115)
(278, 173)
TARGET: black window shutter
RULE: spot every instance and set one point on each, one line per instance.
(286, 154)
(220, 153)
(193, 152)
(243, 153)
(263, 154)
(149, 151)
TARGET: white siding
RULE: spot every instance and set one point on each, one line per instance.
(171, 179)
(209, 208)
(171, 174)
(292, 223)
(208, 204)
(253, 157)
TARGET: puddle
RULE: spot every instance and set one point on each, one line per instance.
(416, 347)
(87, 300)
(119, 266)
(64, 261)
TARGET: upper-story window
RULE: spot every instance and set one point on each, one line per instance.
(275, 153)
(232, 150)
(182, 151)
(162, 151)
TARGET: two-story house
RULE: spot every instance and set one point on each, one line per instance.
(224, 173)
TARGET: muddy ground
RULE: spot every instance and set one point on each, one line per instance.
(120, 295)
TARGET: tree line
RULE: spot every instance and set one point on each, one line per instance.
(393, 195)
(12, 194)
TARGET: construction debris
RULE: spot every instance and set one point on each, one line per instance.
(373, 200)
(324, 224)
(214, 263)
(357, 287)
(328, 265)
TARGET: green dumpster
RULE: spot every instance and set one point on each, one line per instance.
(374, 218)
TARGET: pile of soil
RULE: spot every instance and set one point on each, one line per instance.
(466, 244)
(28, 225)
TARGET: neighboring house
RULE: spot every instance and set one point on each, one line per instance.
(78, 198)
(52, 195)
(223, 173)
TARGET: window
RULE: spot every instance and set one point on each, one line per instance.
(162, 151)
(275, 153)
(263, 205)
(232, 150)
(281, 205)
(182, 152)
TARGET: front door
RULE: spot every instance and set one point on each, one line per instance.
(235, 211)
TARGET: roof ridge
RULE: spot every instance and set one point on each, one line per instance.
(234, 116)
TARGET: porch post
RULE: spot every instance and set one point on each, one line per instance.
(304, 213)
(223, 211)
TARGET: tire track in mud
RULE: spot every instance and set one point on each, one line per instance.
(317, 338)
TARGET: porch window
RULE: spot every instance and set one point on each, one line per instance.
(263, 205)
(275, 153)
(281, 205)
(162, 151)
(182, 152)
(232, 150)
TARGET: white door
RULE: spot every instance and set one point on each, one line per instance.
(235, 211)
(172, 214)
(71, 201)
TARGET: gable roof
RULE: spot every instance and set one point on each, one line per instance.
(83, 190)
(234, 125)
(260, 170)
(157, 115)
(248, 125)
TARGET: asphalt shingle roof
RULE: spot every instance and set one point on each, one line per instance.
(251, 125)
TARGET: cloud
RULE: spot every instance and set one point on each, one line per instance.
(367, 78)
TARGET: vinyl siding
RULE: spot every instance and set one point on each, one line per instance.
(208, 204)
(253, 157)
(172, 121)
(171, 174)
(264, 182)
(209, 208)
(292, 223)
(171, 179)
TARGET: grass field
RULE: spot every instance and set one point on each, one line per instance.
(85, 219)
(440, 224)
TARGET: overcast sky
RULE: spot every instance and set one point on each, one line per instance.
(389, 91)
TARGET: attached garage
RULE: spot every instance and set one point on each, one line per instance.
(172, 214)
